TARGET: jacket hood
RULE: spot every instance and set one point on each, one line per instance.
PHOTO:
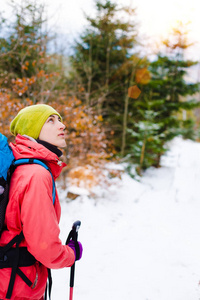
(25, 147)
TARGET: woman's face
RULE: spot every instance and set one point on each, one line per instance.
(53, 131)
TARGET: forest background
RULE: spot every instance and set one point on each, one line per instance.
(118, 103)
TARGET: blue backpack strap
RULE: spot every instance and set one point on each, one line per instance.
(28, 161)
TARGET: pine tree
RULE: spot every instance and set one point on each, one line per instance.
(24, 60)
(104, 63)
(161, 102)
(30, 75)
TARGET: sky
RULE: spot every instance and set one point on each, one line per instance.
(155, 18)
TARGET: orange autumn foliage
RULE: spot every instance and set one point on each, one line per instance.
(87, 145)
(9, 106)
(85, 135)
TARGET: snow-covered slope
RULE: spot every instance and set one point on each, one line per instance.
(142, 239)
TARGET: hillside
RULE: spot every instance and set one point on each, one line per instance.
(141, 239)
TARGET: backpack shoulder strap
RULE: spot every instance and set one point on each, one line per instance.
(28, 161)
(17, 239)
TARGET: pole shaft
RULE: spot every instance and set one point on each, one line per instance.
(74, 236)
(71, 293)
(72, 273)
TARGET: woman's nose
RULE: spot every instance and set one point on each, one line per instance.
(62, 126)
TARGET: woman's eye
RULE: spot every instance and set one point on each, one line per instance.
(51, 120)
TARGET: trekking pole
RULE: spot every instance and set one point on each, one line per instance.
(74, 236)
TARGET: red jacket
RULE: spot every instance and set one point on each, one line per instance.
(31, 209)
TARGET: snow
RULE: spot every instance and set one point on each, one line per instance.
(141, 240)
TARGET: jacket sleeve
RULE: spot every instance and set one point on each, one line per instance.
(40, 223)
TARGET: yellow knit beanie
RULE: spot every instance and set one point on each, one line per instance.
(30, 120)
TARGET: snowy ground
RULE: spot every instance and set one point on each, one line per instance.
(142, 239)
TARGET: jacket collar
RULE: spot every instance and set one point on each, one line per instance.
(51, 147)
(26, 147)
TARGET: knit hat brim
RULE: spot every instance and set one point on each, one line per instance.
(30, 120)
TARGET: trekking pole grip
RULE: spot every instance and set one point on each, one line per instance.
(73, 235)
(75, 229)
(76, 226)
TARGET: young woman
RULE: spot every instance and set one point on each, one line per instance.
(39, 134)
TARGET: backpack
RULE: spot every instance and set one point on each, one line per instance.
(14, 257)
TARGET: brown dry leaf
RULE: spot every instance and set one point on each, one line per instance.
(142, 76)
(134, 92)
